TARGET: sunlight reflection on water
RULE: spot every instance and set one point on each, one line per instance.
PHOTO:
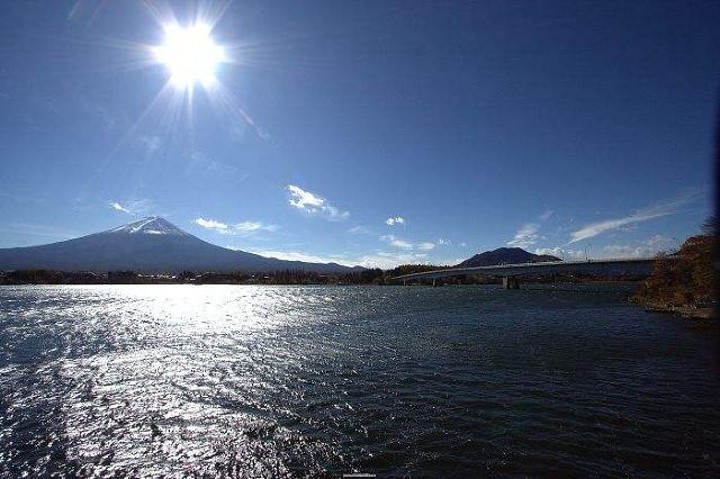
(275, 381)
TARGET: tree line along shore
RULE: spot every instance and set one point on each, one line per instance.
(374, 276)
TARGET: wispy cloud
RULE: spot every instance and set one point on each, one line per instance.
(659, 210)
(359, 230)
(98, 111)
(546, 215)
(388, 260)
(444, 242)
(21, 199)
(313, 203)
(376, 259)
(528, 234)
(245, 228)
(402, 244)
(594, 229)
(562, 253)
(118, 207)
(305, 257)
(393, 240)
(132, 207)
(637, 249)
(148, 144)
(34, 230)
(395, 220)
(643, 249)
(525, 236)
(426, 246)
(199, 163)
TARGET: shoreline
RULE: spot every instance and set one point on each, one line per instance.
(685, 312)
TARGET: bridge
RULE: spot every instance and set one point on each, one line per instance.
(509, 272)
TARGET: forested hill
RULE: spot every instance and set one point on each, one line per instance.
(506, 256)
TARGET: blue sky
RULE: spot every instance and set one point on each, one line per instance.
(371, 133)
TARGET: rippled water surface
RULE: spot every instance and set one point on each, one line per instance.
(245, 381)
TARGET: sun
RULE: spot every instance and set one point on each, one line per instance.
(191, 55)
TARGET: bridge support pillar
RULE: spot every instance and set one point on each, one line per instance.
(510, 282)
(433, 282)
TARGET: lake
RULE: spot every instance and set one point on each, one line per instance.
(264, 381)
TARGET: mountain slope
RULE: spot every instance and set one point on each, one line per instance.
(151, 245)
(505, 256)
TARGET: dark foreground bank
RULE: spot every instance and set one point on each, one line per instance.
(682, 283)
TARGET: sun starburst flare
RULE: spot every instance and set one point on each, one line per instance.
(190, 55)
(192, 58)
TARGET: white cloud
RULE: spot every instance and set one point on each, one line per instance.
(300, 198)
(218, 226)
(395, 220)
(526, 236)
(118, 207)
(314, 204)
(444, 242)
(245, 228)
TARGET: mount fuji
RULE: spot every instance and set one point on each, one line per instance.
(148, 245)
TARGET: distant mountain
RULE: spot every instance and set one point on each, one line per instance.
(506, 256)
(149, 245)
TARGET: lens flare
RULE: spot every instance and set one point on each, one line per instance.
(191, 55)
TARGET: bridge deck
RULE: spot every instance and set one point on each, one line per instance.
(639, 266)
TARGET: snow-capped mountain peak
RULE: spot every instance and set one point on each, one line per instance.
(150, 244)
(153, 225)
